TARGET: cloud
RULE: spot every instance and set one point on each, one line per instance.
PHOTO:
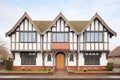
(72, 9)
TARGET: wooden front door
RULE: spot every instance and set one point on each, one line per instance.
(60, 61)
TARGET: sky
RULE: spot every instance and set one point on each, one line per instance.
(109, 10)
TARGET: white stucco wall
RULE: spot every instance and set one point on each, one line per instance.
(103, 60)
(80, 59)
(39, 59)
(17, 61)
(72, 63)
(48, 63)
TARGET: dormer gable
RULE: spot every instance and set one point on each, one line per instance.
(97, 18)
(23, 18)
(60, 22)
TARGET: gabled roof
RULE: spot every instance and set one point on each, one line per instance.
(76, 26)
(103, 23)
(25, 15)
(115, 52)
(54, 21)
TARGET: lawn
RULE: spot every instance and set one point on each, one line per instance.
(80, 71)
(30, 71)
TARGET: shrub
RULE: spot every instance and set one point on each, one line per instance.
(8, 64)
(110, 66)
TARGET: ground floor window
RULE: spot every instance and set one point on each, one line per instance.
(92, 58)
(28, 58)
(49, 57)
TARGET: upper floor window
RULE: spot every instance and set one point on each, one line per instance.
(28, 36)
(60, 37)
(94, 37)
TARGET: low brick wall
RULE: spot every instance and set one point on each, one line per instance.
(90, 73)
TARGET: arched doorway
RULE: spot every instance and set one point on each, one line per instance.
(60, 61)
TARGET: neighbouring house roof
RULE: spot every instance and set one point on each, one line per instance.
(76, 26)
(115, 52)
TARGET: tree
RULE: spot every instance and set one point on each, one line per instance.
(4, 50)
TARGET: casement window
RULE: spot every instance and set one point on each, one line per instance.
(92, 58)
(49, 57)
(71, 57)
(28, 58)
(94, 37)
(59, 37)
(28, 37)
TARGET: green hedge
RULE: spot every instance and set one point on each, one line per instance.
(110, 66)
(8, 64)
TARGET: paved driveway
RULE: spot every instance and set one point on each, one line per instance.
(59, 75)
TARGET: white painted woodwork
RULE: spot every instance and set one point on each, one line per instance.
(75, 46)
(26, 46)
(17, 36)
(26, 25)
(17, 61)
(75, 37)
(45, 46)
(92, 26)
(101, 27)
(13, 46)
(71, 46)
(34, 46)
(45, 35)
(88, 46)
(21, 26)
(96, 25)
(38, 37)
(96, 46)
(66, 24)
(21, 46)
(101, 46)
(92, 46)
(13, 37)
(30, 46)
(71, 37)
(105, 46)
(103, 60)
(49, 46)
(81, 38)
(49, 37)
(81, 46)
(66, 29)
(38, 46)
(62, 25)
(58, 25)
(30, 26)
(105, 37)
(53, 28)
(17, 46)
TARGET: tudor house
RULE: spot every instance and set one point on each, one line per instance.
(60, 44)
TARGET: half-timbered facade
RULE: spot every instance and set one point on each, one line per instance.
(60, 44)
